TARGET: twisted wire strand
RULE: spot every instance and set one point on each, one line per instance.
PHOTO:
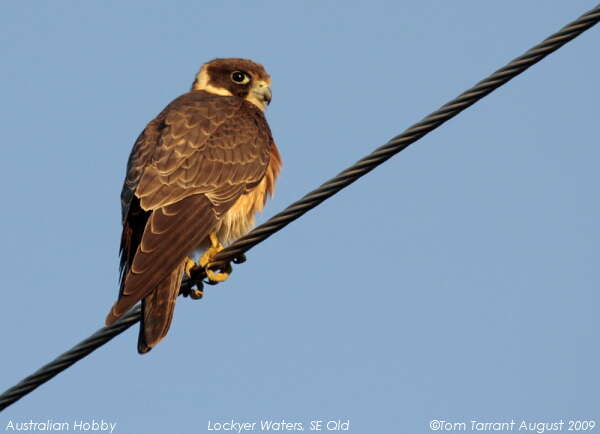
(409, 136)
(325, 191)
(68, 358)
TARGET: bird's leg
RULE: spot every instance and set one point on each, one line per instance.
(207, 257)
(195, 293)
(189, 265)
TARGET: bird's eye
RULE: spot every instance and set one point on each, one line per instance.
(240, 77)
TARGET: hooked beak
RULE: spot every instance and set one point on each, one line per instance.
(263, 92)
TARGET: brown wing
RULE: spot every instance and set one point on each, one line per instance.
(199, 156)
(214, 145)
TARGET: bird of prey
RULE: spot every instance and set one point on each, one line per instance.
(196, 177)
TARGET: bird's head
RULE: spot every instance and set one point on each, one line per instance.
(235, 77)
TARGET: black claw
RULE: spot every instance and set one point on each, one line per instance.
(197, 274)
(193, 286)
(240, 259)
(186, 286)
(196, 294)
(192, 289)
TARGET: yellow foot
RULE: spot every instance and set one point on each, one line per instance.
(206, 260)
(189, 264)
(195, 293)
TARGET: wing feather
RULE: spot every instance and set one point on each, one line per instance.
(207, 142)
(182, 226)
(187, 168)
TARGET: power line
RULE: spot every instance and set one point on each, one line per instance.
(328, 189)
(65, 360)
(411, 135)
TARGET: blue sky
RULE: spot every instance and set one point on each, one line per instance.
(459, 281)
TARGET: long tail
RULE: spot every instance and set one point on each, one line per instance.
(157, 311)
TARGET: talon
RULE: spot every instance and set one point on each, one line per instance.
(210, 282)
(196, 294)
(213, 276)
(187, 289)
(240, 259)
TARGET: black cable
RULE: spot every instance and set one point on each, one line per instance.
(409, 136)
(65, 360)
(328, 189)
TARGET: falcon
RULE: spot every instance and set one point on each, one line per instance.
(196, 177)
